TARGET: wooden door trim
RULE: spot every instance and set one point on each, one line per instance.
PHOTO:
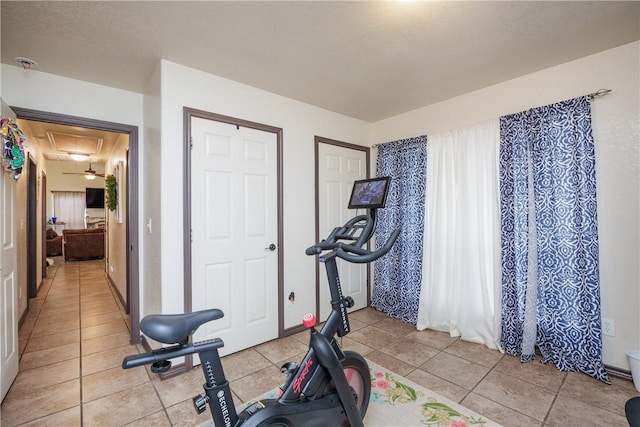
(188, 115)
(317, 141)
(32, 227)
(43, 221)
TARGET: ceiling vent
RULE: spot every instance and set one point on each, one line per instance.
(26, 63)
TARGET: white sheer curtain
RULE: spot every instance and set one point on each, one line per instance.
(68, 207)
(460, 291)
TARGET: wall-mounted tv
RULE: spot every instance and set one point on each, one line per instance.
(369, 193)
(94, 198)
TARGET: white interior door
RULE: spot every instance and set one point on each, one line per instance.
(234, 232)
(338, 168)
(9, 353)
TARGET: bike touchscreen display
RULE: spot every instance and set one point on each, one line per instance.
(369, 193)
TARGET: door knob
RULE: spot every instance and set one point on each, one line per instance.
(271, 247)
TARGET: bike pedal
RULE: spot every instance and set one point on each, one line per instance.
(161, 366)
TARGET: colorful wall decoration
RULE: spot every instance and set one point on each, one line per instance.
(13, 142)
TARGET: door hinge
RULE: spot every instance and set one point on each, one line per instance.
(191, 143)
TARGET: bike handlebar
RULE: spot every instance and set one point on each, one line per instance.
(353, 252)
(360, 256)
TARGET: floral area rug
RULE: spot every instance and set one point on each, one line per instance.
(396, 401)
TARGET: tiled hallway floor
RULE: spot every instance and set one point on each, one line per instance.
(75, 337)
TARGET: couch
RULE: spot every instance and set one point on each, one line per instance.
(54, 243)
(83, 243)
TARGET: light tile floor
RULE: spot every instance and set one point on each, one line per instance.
(75, 337)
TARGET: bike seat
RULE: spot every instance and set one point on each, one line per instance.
(176, 328)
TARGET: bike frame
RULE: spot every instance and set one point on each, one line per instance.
(337, 322)
(310, 380)
(216, 387)
(318, 388)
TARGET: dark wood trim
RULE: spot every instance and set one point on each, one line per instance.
(31, 168)
(115, 289)
(132, 195)
(64, 119)
(132, 236)
(316, 182)
(367, 150)
(187, 292)
(294, 330)
(127, 212)
(188, 115)
(43, 221)
(23, 318)
(176, 370)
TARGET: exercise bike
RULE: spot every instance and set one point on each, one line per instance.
(329, 387)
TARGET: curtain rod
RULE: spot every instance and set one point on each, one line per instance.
(597, 94)
(377, 145)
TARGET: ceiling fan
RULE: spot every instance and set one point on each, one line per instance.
(89, 173)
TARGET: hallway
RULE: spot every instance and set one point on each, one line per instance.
(72, 344)
(74, 331)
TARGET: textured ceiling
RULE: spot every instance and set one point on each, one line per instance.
(369, 60)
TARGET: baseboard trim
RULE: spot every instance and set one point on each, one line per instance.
(174, 371)
(293, 330)
(618, 373)
(123, 303)
(23, 317)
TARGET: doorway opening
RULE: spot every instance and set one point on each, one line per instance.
(132, 213)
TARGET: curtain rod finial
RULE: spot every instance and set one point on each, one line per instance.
(601, 92)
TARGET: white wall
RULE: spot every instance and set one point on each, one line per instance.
(616, 133)
(182, 86)
(151, 174)
(117, 231)
(59, 180)
(47, 92)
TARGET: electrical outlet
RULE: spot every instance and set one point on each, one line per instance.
(609, 327)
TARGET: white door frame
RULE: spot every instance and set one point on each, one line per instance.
(188, 114)
(320, 140)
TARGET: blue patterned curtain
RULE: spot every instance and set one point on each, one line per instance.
(550, 275)
(397, 276)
